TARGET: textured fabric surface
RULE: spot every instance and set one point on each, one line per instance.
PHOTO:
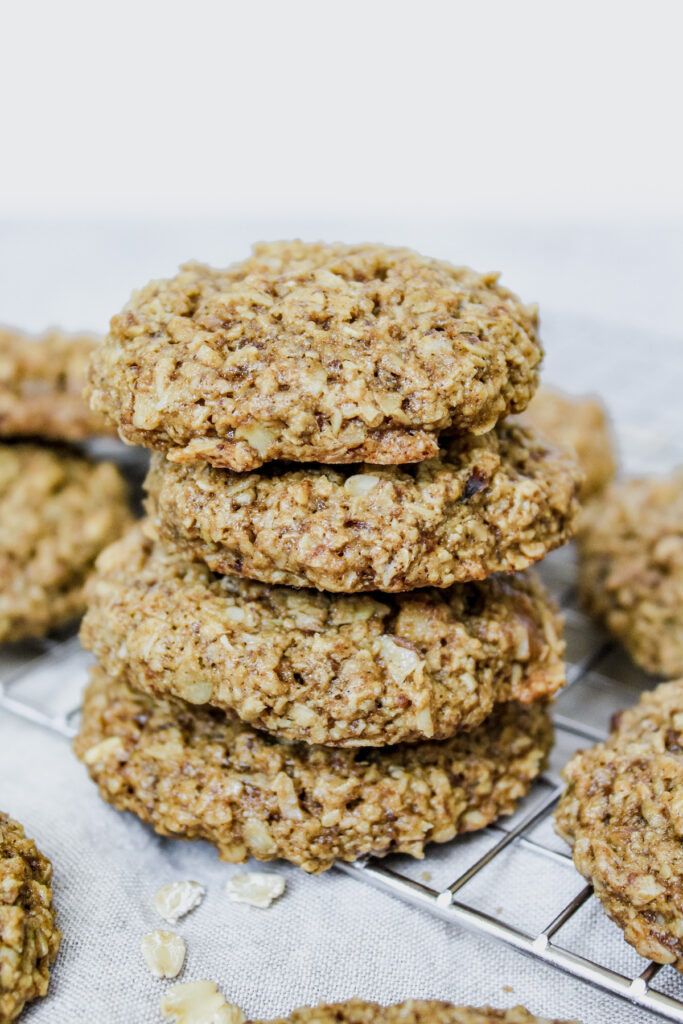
(328, 938)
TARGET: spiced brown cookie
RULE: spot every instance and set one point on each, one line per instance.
(195, 774)
(622, 813)
(312, 352)
(631, 568)
(579, 424)
(29, 936)
(57, 511)
(41, 386)
(493, 503)
(343, 670)
(413, 1011)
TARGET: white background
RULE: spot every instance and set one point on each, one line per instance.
(521, 110)
(537, 138)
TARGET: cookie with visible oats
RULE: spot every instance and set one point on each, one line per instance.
(622, 814)
(29, 937)
(494, 503)
(57, 511)
(315, 353)
(41, 386)
(413, 1011)
(194, 773)
(631, 568)
(342, 670)
(579, 424)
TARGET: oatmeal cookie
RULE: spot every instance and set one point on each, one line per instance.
(580, 425)
(413, 1011)
(494, 503)
(41, 386)
(57, 511)
(194, 773)
(622, 813)
(29, 937)
(631, 568)
(336, 669)
(315, 353)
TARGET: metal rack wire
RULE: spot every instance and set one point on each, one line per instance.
(600, 682)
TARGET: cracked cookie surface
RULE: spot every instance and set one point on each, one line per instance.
(344, 670)
(494, 503)
(57, 511)
(622, 814)
(29, 937)
(41, 386)
(412, 1011)
(579, 424)
(194, 773)
(312, 352)
(631, 568)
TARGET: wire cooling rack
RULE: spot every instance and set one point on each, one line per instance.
(474, 882)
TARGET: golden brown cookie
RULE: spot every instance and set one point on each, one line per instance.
(29, 937)
(631, 568)
(413, 1011)
(312, 352)
(195, 774)
(493, 503)
(41, 386)
(622, 813)
(57, 511)
(580, 425)
(343, 670)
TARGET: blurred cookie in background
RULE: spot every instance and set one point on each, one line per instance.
(631, 568)
(57, 511)
(41, 384)
(579, 423)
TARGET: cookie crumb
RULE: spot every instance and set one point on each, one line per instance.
(199, 1002)
(164, 953)
(176, 899)
(257, 888)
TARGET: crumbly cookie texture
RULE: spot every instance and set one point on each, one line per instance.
(29, 937)
(631, 568)
(413, 1011)
(57, 511)
(41, 386)
(312, 352)
(622, 813)
(193, 773)
(338, 669)
(493, 503)
(579, 424)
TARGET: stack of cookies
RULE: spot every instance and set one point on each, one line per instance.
(323, 642)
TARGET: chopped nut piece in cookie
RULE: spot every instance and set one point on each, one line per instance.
(257, 888)
(164, 953)
(199, 1002)
(176, 899)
